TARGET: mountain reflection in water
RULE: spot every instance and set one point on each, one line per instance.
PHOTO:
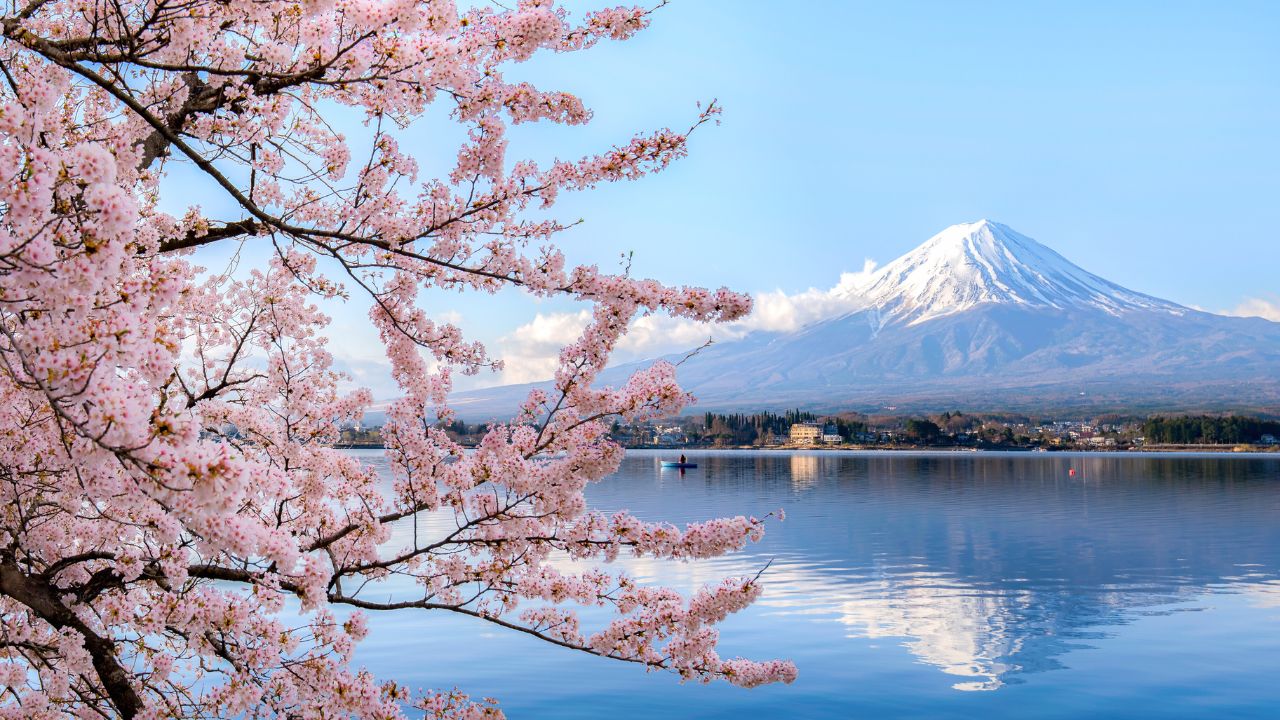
(991, 569)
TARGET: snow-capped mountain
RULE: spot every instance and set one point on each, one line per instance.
(980, 316)
(972, 264)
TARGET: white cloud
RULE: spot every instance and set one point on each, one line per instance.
(1267, 308)
(657, 334)
(530, 351)
(780, 312)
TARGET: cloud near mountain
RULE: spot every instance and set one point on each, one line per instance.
(1265, 308)
(530, 351)
(977, 316)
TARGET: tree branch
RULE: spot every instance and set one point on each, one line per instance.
(42, 600)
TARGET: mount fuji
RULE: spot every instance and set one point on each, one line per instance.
(981, 263)
(983, 317)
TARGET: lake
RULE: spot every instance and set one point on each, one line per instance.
(925, 585)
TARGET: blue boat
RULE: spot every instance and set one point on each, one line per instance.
(675, 464)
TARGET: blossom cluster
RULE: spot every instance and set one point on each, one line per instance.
(180, 537)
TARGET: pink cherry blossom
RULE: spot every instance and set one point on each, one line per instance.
(173, 497)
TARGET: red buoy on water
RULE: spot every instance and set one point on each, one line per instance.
(1072, 472)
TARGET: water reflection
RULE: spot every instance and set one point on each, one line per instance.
(804, 471)
(989, 568)
(959, 629)
(993, 572)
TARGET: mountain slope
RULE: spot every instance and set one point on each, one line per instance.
(973, 264)
(980, 316)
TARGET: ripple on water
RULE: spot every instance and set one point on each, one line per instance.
(903, 583)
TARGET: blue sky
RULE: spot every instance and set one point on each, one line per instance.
(1140, 140)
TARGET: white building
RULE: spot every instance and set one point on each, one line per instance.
(806, 433)
(831, 435)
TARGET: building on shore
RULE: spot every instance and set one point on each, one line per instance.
(806, 433)
(669, 435)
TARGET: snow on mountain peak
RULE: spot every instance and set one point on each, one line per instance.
(983, 262)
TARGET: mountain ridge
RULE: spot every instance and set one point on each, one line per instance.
(970, 264)
(981, 316)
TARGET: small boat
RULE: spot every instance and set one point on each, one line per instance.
(678, 464)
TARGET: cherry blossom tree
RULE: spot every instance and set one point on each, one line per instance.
(167, 431)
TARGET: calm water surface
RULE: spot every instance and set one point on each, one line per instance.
(931, 585)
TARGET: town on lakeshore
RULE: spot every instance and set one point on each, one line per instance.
(953, 429)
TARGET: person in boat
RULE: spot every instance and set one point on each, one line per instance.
(681, 458)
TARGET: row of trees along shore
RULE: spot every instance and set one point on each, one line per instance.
(947, 428)
(746, 429)
(960, 428)
(1208, 430)
(764, 427)
(755, 428)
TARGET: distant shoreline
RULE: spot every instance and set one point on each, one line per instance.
(1220, 449)
(1216, 449)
